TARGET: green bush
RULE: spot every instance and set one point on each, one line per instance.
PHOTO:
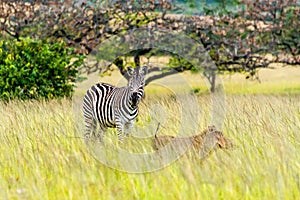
(37, 69)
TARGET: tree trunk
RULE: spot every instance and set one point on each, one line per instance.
(211, 77)
(213, 82)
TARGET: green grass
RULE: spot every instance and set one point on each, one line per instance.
(250, 87)
(263, 88)
(43, 157)
(281, 80)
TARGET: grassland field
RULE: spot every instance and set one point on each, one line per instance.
(43, 155)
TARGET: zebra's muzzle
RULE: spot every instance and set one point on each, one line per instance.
(134, 99)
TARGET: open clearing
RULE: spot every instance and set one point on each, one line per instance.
(43, 155)
(280, 80)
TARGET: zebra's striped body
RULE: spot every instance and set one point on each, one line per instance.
(114, 107)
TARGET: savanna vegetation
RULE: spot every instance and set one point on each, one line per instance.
(235, 36)
(35, 69)
(43, 154)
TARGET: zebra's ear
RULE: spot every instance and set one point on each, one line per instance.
(144, 70)
(130, 71)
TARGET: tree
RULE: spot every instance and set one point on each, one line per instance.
(257, 34)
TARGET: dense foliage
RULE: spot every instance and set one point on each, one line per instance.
(238, 35)
(36, 69)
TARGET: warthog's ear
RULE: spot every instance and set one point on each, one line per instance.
(211, 128)
(130, 71)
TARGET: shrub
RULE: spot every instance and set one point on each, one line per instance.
(37, 69)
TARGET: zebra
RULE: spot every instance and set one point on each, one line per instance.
(113, 107)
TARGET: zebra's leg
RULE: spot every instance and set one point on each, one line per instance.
(90, 126)
(100, 134)
(120, 132)
(120, 129)
(127, 128)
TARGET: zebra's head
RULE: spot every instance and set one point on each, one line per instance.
(136, 84)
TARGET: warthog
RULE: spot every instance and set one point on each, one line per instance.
(209, 138)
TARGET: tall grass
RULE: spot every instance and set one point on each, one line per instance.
(44, 157)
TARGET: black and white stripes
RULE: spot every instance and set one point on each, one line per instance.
(110, 106)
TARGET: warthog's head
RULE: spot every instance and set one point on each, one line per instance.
(210, 135)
